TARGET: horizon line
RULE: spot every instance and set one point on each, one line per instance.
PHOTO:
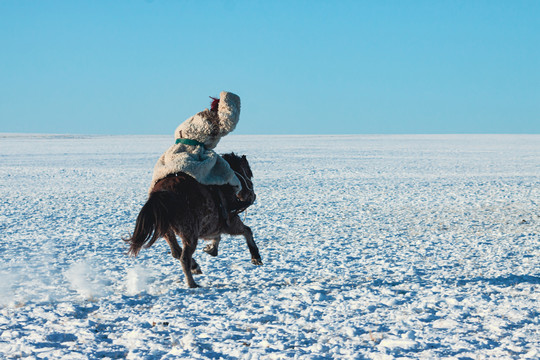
(275, 134)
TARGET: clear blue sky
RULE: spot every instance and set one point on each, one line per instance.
(300, 67)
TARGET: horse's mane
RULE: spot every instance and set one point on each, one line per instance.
(238, 163)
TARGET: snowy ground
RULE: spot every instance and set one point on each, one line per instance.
(382, 247)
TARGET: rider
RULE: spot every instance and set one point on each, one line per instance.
(196, 138)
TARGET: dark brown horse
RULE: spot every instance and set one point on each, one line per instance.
(179, 205)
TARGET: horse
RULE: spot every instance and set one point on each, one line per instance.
(180, 205)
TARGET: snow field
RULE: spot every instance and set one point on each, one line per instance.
(375, 247)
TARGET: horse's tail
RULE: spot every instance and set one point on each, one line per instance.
(154, 221)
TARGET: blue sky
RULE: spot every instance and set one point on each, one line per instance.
(300, 67)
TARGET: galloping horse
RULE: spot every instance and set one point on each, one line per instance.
(179, 205)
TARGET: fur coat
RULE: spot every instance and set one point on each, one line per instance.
(197, 157)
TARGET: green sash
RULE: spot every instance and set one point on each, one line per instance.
(189, 142)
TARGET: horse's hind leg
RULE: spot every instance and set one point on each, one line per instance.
(176, 252)
(212, 248)
(190, 244)
(238, 228)
(195, 268)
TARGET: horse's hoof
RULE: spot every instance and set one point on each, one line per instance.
(193, 286)
(256, 261)
(211, 250)
(195, 268)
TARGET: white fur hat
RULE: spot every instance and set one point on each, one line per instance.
(228, 111)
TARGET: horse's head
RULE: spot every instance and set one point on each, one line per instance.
(242, 169)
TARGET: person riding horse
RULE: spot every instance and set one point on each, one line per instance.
(193, 152)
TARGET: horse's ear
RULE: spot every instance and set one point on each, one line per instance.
(244, 157)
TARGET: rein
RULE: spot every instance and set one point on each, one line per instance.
(243, 177)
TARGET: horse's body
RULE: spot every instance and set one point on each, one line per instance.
(179, 205)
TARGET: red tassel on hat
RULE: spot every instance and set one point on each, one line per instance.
(215, 103)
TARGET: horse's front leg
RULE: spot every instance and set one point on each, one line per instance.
(176, 252)
(237, 227)
(190, 244)
(212, 248)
